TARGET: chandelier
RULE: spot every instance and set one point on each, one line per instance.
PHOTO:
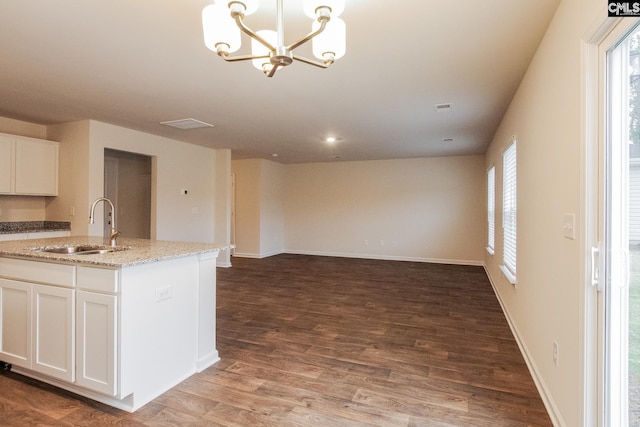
(223, 22)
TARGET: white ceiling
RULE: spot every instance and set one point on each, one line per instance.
(135, 63)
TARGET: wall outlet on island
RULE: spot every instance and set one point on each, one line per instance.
(163, 293)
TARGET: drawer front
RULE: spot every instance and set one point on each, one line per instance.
(40, 272)
(98, 279)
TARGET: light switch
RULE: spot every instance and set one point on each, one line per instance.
(569, 226)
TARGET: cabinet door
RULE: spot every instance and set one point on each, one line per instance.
(6, 164)
(15, 322)
(96, 342)
(36, 167)
(54, 331)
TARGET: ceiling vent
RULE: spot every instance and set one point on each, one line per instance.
(185, 124)
(442, 108)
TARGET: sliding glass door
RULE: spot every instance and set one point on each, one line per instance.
(620, 290)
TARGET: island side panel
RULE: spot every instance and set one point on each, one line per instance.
(207, 351)
(158, 328)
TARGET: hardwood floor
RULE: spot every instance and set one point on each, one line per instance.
(319, 341)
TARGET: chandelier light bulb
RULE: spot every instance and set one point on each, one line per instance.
(219, 29)
(258, 49)
(331, 44)
(336, 6)
(246, 7)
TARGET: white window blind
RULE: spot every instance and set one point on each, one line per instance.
(491, 209)
(509, 211)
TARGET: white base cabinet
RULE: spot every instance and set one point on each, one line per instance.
(37, 321)
(15, 322)
(53, 314)
(96, 342)
(119, 336)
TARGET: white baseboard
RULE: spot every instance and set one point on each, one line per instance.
(246, 255)
(547, 398)
(225, 264)
(385, 257)
(361, 256)
(256, 256)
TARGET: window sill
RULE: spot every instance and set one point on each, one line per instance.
(510, 277)
(490, 250)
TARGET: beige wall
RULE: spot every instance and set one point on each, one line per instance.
(17, 127)
(429, 209)
(247, 209)
(223, 204)
(72, 203)
(417, 209)
(545, 117)
(259, 207)
(177, 166)
(272, 193)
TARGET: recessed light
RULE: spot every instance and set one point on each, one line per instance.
(274, 155)
(330, 139)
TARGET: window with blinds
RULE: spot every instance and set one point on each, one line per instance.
(491, 209)
(509, 212)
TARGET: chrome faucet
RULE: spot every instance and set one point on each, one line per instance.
(114, 233)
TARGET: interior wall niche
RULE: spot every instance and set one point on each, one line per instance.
(127, 183)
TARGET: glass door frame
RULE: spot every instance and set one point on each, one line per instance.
(599, 39)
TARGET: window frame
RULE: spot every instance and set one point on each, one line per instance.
(510, 211)
(491, 210)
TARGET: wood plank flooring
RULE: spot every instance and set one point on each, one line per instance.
(320, 341)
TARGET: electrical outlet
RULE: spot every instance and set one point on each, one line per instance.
(163, 293)
(555, 353)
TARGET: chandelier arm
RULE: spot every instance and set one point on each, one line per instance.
(241, 57)
(248, 31)
(325, 64)
(323, 24)
(273, 70)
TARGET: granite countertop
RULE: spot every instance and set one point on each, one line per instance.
(33, 226)
(138, 251)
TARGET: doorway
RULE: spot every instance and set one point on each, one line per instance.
(128, 183)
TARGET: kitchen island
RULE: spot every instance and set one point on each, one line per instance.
(120, 325)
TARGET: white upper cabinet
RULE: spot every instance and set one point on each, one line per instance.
(28, 166)
(7, 174)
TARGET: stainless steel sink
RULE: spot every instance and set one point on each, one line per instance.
(79, 249)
